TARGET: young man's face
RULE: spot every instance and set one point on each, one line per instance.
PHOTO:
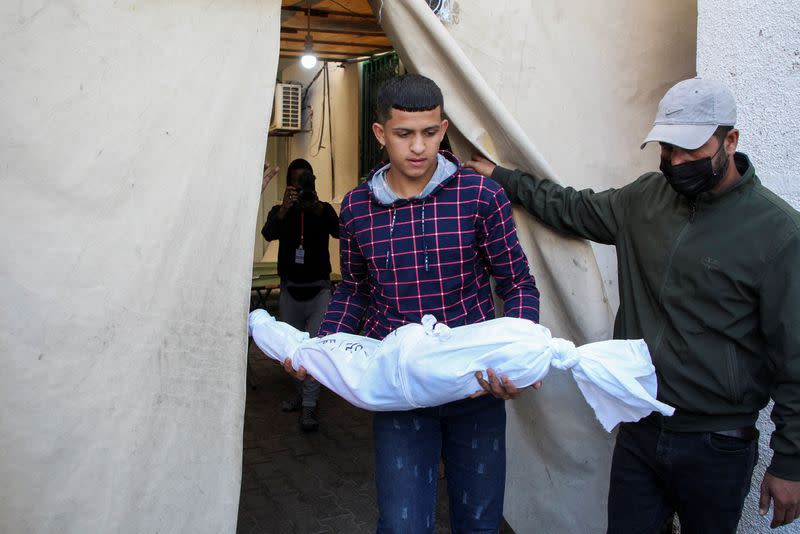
(412, 140)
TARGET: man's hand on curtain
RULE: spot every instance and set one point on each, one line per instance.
(481, 165)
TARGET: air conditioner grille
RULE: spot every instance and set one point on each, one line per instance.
(288, 103)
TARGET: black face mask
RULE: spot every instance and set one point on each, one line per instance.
(694, 177)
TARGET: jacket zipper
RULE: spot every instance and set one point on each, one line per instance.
(733, 374)
(692, 212)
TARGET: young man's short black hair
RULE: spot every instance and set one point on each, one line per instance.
(409, 92)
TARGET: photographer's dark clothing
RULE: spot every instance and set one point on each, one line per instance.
(305, 276)
(316, 227)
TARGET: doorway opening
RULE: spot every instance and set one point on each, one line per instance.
(295, 481)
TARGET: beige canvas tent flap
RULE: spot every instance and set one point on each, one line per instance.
(132, 143)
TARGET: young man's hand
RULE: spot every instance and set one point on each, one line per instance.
(500, 387)
(269, 173)
(481, 165)
(785, 494)
(300, 374)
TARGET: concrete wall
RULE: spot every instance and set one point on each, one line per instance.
(754, 47)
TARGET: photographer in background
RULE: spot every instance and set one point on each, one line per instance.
(302, 225)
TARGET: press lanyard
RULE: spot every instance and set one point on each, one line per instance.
(300, 254)
(302, 227)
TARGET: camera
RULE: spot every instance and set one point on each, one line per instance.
(305, 187)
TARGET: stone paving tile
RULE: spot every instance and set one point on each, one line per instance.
(268, 518)
(249, 481)
(255, 500)
(347, 523)
(247, 524)
(272, 470)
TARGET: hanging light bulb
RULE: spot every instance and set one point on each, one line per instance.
(309, 59)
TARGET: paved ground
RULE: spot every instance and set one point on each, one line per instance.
(307, 483)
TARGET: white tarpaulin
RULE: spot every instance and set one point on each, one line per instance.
(582, 81)
(131, 148)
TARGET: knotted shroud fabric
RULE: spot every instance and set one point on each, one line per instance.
(429, 364)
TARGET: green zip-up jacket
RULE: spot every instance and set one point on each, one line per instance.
(712, 285)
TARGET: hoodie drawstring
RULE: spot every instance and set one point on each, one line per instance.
(391, 234)
(391, 231)
(424, 241)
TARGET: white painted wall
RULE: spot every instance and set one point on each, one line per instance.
(754, 47)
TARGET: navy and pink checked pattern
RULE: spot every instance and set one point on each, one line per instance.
(429, 256)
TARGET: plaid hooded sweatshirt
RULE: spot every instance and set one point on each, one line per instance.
(432, 254)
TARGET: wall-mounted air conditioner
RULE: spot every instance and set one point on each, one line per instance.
(286, 112)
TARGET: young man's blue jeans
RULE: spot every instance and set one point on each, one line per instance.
(702, 476)
(470, 436)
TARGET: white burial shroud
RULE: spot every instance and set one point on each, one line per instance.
(429, 364)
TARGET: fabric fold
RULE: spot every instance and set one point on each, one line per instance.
(429, 364)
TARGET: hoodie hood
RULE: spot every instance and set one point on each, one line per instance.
(383, 194)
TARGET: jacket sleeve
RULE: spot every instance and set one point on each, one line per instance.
(499, 244)
(346, 310)
(780, 317)
(331, 221)
(594, 216)
(272, 227)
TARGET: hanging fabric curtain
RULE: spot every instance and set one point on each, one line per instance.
(132, 148)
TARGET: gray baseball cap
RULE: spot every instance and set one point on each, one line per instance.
(691, 111)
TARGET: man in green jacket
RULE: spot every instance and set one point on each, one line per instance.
(708, 263)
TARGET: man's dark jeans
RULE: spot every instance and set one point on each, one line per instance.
(470, 435)
(702, 476)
